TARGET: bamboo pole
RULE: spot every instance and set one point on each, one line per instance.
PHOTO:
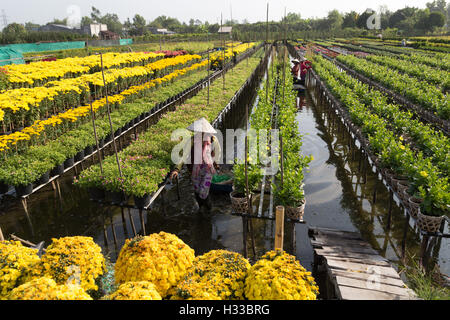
(268, 48)
(209, 83)
(223, 55)
(279, 227)
(109, 117)
(96, 137)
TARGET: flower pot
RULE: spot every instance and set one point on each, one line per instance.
(3, 187)
(24, 190)
(239, 202)
(79, 156)
(118, 132)
(68, 163)
(58, 170)
(429, 223)
(395, 181)
(96, 194)
(101, 143)
(116, 197)
(108, 138)
(295, 213)
(387, 175)
(142, 202)
(402, 188)
(44, 178)
(88, 150)
(414, 205)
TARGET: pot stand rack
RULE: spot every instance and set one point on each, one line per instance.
(160, 107)
(251, 81)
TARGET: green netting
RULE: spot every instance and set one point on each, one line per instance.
(125, 41)
(10, 56)
(48, 46)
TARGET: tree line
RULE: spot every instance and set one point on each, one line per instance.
(409, 21)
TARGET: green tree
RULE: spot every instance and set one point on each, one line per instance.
(334, 20)
(85, 21)
(29, 26)
(349, 20)
(59, 21)
(138, 25)
(14, 33)
(436, 19)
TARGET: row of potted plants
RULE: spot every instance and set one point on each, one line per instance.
(421, 137)
(421, 92)
(147, 161)
(22, 107)
(38, 73)
(288, 182)
(47, 129)
(41, 161)
(410, 174)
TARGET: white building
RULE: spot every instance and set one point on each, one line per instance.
(94, 29)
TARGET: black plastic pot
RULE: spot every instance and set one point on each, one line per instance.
(126, 126)
(88, 150)
(68, 163)
(79, 156)
(96, 194)
(142, 202)
(3, 187)
(44, 178)
(108, 138)
(116, 197)
(101, 143)
(142, 116)
(24, 190)
(118, 132)
(58, 170)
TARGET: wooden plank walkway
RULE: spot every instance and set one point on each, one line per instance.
(353, 270)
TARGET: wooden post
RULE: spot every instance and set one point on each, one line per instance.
(279, 227)
(132, 223)
(282, 160)
(1, 235)
(95, 135)
(109, 117)
(223, 55)
(141, 217)
(209, 83)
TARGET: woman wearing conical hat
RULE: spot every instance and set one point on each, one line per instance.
(202, 165)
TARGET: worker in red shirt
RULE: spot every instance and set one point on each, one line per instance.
(305, 65)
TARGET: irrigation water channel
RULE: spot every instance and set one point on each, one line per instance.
(338, 195)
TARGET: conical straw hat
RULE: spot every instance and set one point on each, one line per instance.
(201, 125)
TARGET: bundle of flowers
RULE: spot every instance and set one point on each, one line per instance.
(17, 265)
(74, 260)
(44, 288)
(216, 275)
(161, 258)
(139, 290)
(279, 276)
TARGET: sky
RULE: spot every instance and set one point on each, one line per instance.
(43, 11)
